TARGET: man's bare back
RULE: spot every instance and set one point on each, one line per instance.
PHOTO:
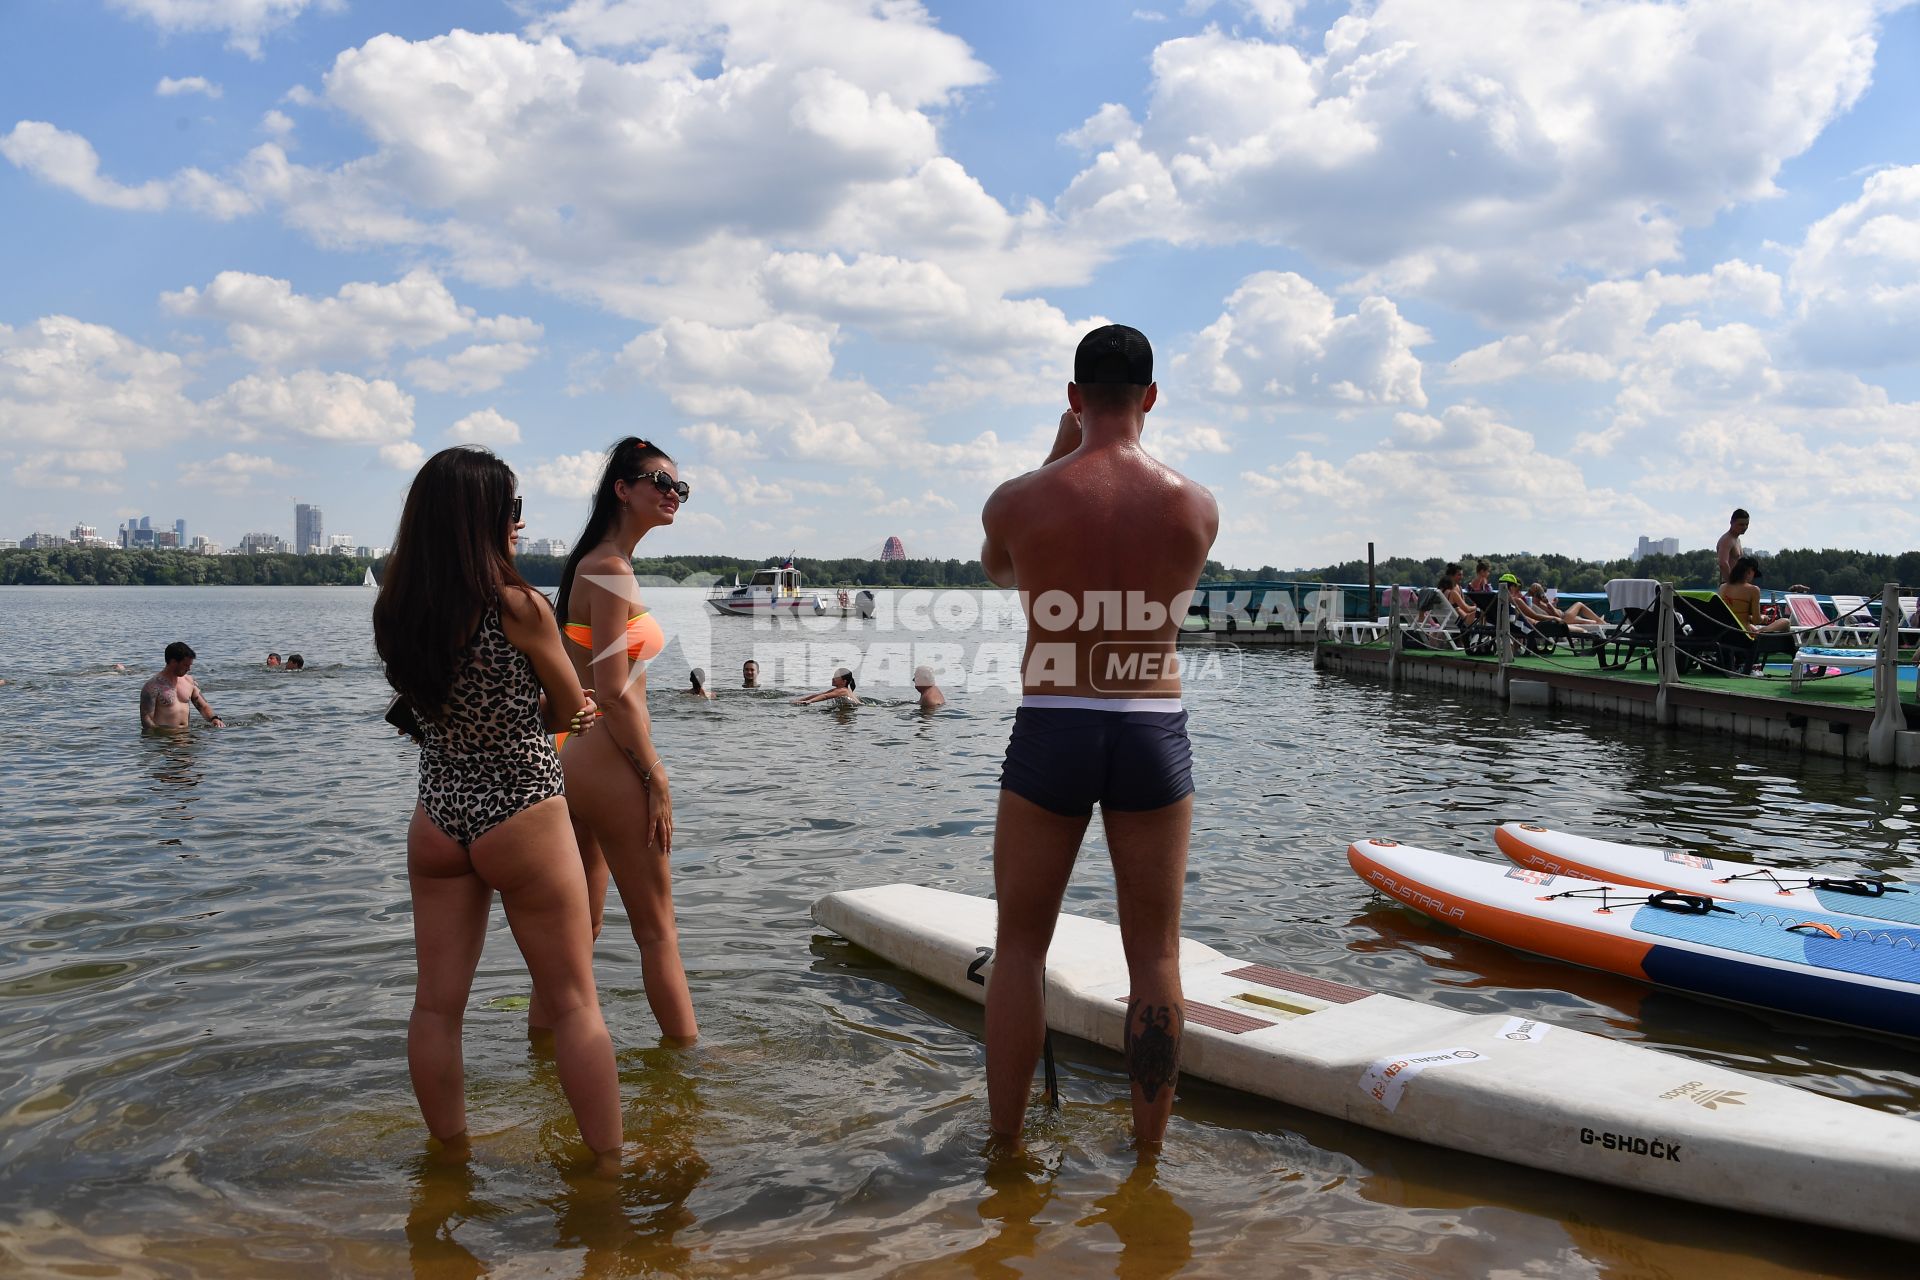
(1106, 544)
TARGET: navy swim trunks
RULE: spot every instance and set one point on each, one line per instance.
(1125, 754)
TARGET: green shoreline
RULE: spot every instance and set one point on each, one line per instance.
(1825, 571)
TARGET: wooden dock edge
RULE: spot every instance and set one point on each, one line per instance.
(1839, 732)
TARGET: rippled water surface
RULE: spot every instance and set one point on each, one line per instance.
(208, 971)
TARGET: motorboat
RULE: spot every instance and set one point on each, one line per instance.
(781, 591)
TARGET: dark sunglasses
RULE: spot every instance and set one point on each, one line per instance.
(666, 483)
(513, 512)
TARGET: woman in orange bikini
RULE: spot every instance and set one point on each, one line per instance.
(616, 783)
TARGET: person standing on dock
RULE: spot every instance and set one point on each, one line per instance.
(1104, 544)
(1728, 550)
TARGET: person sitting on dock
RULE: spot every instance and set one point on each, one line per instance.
(1548, 609)
(1744, 599)
(1450, 588)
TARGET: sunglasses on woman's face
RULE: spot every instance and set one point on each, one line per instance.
(666, 484)
(514, 511)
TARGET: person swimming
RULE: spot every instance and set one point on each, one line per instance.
(749, 674)
(842, 690)
(697, 679)
(164, 700)
(296, 663)
(930, 695)
(273, 662)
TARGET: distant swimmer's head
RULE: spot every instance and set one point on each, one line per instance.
(697, 678)
(180, 657)
(923, 677)
(273, 659)
(296, 663)
(843, 679)
(750, 673)
(1113, 371)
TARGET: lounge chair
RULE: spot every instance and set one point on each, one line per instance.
(1716, 641)
(1820, 657)
(1635, 636)
(1856, 621)
(1810, 622)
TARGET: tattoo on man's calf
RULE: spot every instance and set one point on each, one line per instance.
(1153, 1046)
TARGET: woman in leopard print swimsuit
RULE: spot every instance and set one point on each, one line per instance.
(471, 646)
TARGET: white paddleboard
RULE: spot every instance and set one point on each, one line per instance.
(1839, 890)
(1511, 1088)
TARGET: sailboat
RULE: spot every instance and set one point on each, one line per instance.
(368, 580)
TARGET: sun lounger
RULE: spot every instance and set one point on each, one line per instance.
(1820, 657)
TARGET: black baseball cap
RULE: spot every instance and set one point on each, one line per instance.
(1114, 353)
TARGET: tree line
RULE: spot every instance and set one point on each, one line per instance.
(113, 567)
(1827, 572)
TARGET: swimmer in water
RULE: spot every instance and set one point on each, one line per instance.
(273, 662)
(749, 674)
(697, 680)
(842, 690)
(296, 663)
(930, 695)
(165, 698)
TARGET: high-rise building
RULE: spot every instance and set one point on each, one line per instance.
(85, 535)
(894, 550)
(179, 533)
(1655, 547)
(261, 543)
(308, 536)
(42, 542)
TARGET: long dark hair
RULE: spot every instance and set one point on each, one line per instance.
(448, 565)
(625, 461)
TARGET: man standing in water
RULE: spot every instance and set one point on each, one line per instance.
(1105, 545)
(1728, 549)
(165, 698)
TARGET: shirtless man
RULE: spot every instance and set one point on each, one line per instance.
(165, 698)
(1105, 545)
(749, 674)
(1728, 549)
(923, 684)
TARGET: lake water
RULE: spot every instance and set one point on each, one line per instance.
(208, 971)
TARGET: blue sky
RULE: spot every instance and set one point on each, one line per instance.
(1529, 274)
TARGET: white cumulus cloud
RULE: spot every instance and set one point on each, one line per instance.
(485, 426)
(1280, 344)
(170, 87)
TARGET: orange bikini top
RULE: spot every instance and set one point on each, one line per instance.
(645, 639)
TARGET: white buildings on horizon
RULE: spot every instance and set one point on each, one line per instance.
(1655, 547)
(558, 547)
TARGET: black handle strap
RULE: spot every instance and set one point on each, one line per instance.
(1858, 888)
(1689, 904)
